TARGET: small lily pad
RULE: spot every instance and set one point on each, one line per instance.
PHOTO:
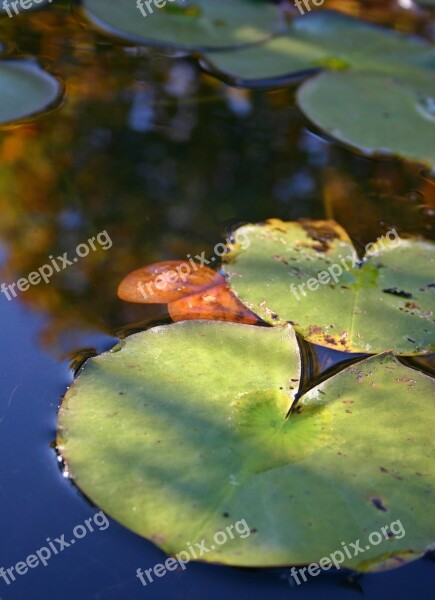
(370, 116)
(26, 90)
(376, 92)
(183, 430)
(197, 24)
(309, 274)
(12, 13)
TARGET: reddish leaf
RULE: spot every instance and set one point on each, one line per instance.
(164, 282)
(217, 303)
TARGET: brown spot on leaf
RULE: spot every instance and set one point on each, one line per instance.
(323, 232)
(315, 330)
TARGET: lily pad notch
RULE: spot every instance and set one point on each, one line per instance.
(181, 431)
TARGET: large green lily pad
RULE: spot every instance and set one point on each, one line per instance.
(26, 90)
(175, 380)
(384, 302)
(182, 432)
(377, 91)
(197, 24)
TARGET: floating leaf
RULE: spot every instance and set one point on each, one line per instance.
(8, 9)
(166, 281)
(192, 25)
(384, 81)
(305, 273)
(207, 365)
(217, 303)
(393, 117)
(26, 89)
(192, 292)
(323, 40)
(12, 9)
(181, 431)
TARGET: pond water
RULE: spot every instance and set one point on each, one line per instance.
(166, 161)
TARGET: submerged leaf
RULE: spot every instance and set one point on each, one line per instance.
(182, 431)
(309, 274)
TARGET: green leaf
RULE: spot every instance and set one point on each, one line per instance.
(11, 13)
(199, 24)
(377, 94)
(182, 432)
(161, 394)
(383, 303)
(26, 90)
(376, 114)
(323, 40)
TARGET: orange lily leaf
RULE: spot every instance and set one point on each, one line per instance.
(164, 282)
(217, 303)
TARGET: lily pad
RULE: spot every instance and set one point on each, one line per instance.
(208, 365)
(309, 274)
(370, 116)
(26, 90)
(377, 93)
(11, 13)
(323, 40)
(197, 24)
(182, 431)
